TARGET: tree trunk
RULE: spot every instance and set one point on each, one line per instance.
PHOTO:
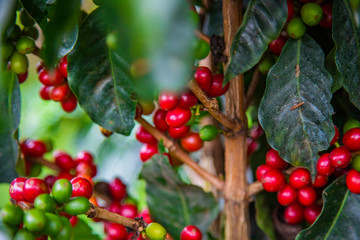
(236, 204)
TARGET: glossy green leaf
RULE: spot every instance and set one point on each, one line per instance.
(263, 21)
(299, 77)
(347, 55)
(173, 203)
(264, 205)
(340, 215)
(61, 32)
(330, 65)
(100, 78)
(37, 10)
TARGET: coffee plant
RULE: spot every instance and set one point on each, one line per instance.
(245, 114)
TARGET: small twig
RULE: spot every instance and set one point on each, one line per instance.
(175, 149)
(37, 52)
(297, 105)
(213, 108)
(202, 36)
(252, 87)
(46, 163)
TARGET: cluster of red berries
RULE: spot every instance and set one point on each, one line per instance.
(174, 115)
(55, 85)
(48, 214)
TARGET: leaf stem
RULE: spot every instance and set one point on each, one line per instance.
(175, 149)
(202, 36)
(252, 87)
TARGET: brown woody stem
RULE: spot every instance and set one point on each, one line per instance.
(176, 150)
(46, 163)
(212, 107)
(202, 36)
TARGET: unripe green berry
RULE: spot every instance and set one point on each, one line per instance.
(54, 224)
(45, 202)
(155, 231)
(208, 132)
(34, 220)
(356, 163)
(265, 65)
(62, 191)
(6, 50)
(296, 28)
(66, 230)
(25, 45)
(349, 124)
(12, 215)
(311, 14)
(19, 63)
(77, 206)
(24, 234)
(201, 49)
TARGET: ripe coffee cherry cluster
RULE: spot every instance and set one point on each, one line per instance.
(31, 148)
(298, 195)
(19, 42)
(55, 86)
(54, 208)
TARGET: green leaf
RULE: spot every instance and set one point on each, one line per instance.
(264, 205)
(340, 215)
(82, 231)
(299, 77)
(61, 32)
(37, 10)
(100, 78)
(347, 42)
(173, 203)
(263, 21)
(330, 65)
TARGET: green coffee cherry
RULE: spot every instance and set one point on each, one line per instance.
(32, 32)
(356, 163)
(62, 191)
(15, 33)
(45, 202)
(54, 224)
(25, 18)
(77, 206)
(25, 45)
(265, 65)
(311, 14)
(12, 215)
(201, 49)
(66, 231)
(296, 28)
(6, 50)
(155, 231)
(208, 132)
(35, 220)
(19, 63)
(351, 123)
(24, 234)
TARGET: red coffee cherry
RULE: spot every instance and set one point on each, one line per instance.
(299, 178)
(22, 77)
(117, 189)
(128, 210)
(65, 175)
(84, 156)
(192, 142)
(179, 132)
(34, 148)
(261, 170)
(294, 214)
(277, 45)
(320, 181)
(256, 132)
(168, 100)
(287, 195)
(116, 231)
(60, 93)
(86, 168)
(33, 187)
(353, 181)
(178, 117)
(351, 139)
(187, 100)
(311, 213)
(70, 103)
(147, 151)
(160, 120)
(115, 207)
(146, 215)
(252, 145)
(73, 220)
(50, 77)
(290, 6)
(203, 77)
(39, 66)
(326, 20)
(306, 196)
(274, 160)
(45, 92)
(273, 180)
(143, 136)
(340, 157)
(190, 233)
(216, 88)
(336, 136)
(17, 188)
(64, 160)
(81, 187)
(50, 180)
(323, 165)
(63, 66)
